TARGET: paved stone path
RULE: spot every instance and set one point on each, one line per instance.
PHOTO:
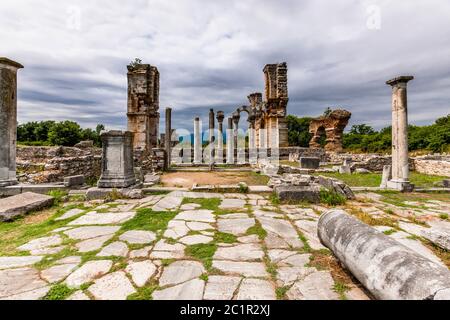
(242, 249)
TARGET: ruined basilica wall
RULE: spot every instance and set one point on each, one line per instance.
(52, 164)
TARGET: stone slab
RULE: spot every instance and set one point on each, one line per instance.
(88, 272)
(70, 214)
(191, 290)
(246, 269)
(84, 233)
(232, 204)
(237, 227)
(221, 287)
(57, 273)
(197, 215)
(256, 289)
(181, 271)
(141, 272)
(93, 244)
(316, 286)
(113, 286)
(21, 204)
(138, 237)
(22, 283)
(18, 262)
(115, 249)
(94, 218)
(243, 252)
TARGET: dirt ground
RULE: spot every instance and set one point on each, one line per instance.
(188, 179)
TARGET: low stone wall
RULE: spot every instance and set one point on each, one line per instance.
(52, 164)
(439, 166)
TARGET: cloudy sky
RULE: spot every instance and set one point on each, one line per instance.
(211, 54)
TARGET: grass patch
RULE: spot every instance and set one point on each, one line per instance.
(147, 219)
(341, 288)
(443, 216)
(144, 293)
(202, 252)
(207, 204)
(59, 292)
(222, 237)
(59, 196)
(274, 199)
(389, 232)
(371, 221)
(374, 179)
(258, 230)
(331, 198)
(281, 292)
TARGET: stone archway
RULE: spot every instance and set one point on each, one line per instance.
(333, 126)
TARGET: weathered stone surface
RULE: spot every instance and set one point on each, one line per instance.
(309, 193)
(221, 288)
(78, 296)
(283, 229)
(309, 163)
(84, 233)
(141, 253)
(249, 239)
(164, 250)
(190, 206)
(16, 206)
(247, 269)
(272, 241)
(255, 289)
(138, 237)
(191, 290)
(141, 272)
(74, 181)
(94, 218)
(22, 284)
(356, 293)
(196, 239)
(243, 252)
(93, 244)
(199, 226)
(232, 204)
(88, 272)
(316, 286)
(197, 215)
(41, 243)
(116, 249)
(286, 276)
(176, 229)
(69, 260)
(113, 286)
(309, 229)
(167, 204)
(181, 271)
(58, 272)
(70, 214)
(238, 227)
(46, 251)
(278, 255)
(17, 262)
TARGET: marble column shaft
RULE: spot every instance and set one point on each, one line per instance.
(211, 136)
(168, 137)
(230, 142)
(219, 153)
(197, 141)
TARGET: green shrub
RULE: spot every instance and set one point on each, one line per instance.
(331, 198)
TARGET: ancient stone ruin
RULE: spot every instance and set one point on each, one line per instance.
(143, 105)
(332, 126)
(8, 121)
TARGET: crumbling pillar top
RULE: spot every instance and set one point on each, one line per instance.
(401, 79)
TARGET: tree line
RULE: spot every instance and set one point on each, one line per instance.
(363, 138)
(51, 133)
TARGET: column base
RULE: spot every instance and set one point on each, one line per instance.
(403, 186)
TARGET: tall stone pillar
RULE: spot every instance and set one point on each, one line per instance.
(252, 148)
(197, 141)
(400, 158)
(219, 153)
(117, 160)
(230, 142)
(236, 119)
(8, 121)
(212, 138)
(168, 137)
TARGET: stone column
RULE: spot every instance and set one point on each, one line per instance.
(400, 158)
(168, 137)
(211, 136)
(117, 160)
(197, 141)
(8, 121)
(230, 142)
(236, 118)
(219, 153)
(252, 149)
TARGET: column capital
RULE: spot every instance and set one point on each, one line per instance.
(220, 116)
(5, 62)
(399, 80)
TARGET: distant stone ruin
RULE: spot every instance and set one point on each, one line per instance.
(331, 126)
